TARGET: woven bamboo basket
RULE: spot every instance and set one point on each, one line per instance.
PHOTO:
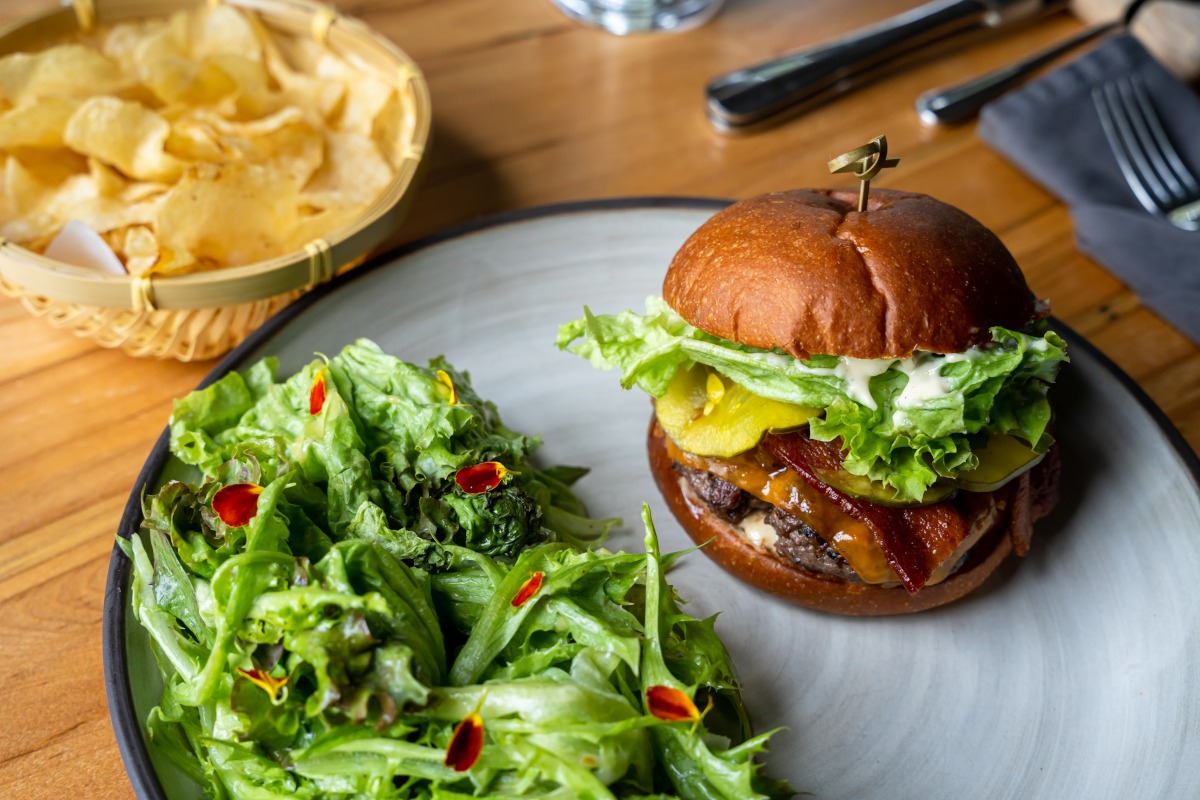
(202, 315)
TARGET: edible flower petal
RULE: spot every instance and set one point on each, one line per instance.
(466, 743)
(264, 681)
(480, 478)
(237, 503)
(670, 704)
(316, 395)
(528, 589)
(445, 379)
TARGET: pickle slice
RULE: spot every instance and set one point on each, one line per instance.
(709, 415)
(1003, 458)
(864, 488)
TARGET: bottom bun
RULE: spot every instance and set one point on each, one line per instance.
(792, 582)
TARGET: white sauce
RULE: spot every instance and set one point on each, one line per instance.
(758, 533)
(857, 373)
(925, 381)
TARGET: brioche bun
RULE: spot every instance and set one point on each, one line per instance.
(804, 272)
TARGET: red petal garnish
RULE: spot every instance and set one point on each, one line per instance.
(264, 681)
(466, 743)
(237, 503)
(448, 382)
(670, 704)
(528, 589)
(480, 478)
(316, 395)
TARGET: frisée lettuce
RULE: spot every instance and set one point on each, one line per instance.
(906, 440)
(336, 616)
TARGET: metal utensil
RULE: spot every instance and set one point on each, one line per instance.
(760, 94)
(963, 101)
(1160, 180)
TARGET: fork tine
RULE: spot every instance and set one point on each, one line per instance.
(1189, 186)
(1146, 144)
(1128, 119)
(1116, 142)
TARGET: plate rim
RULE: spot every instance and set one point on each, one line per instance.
(135, 756)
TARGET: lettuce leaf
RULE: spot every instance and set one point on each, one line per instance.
(904, 441)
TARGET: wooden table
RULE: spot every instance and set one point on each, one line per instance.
(529, 109)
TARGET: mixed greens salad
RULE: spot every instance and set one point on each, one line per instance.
(901, 438)
(371, 592)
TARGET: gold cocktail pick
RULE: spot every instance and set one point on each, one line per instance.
(865, 162)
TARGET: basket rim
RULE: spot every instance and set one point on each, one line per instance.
(33, 273)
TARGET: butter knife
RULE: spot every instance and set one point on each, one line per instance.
(768, 92)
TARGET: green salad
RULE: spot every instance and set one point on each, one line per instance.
(370, 591)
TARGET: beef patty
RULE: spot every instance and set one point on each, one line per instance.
(797, 542)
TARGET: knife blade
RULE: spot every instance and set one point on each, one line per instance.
(749, 98)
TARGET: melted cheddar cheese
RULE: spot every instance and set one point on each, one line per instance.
(755, 472)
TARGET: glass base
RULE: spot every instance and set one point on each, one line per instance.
(639, 16)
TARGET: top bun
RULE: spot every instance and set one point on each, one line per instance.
(804, 272)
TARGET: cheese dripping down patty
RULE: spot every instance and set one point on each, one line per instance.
(850, 538)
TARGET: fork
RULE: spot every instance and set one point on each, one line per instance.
(1152, 167)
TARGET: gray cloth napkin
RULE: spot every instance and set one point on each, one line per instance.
(1051, 131)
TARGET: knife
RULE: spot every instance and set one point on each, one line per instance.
(948, 105)
(768, 92)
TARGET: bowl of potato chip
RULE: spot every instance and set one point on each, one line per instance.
(175, 172)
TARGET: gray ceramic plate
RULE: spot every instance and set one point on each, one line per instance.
(1075, 674)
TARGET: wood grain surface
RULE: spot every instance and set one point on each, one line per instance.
(529, 109)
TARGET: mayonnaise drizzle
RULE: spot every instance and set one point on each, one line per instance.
(925, 381)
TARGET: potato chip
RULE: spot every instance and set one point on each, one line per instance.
(68, 70)
(43, 209)
(169, 38)
(140, 249)
(25, 193)
(176, 80)
(388, 130)
(259, 127)
(50, 165)
(310, 227)
(233, 214)
(222, 29)
(195, 140)
(124, 134)
(27, 218)
(103, 214)
(253, 98)
(37, 125)
(75, 190)
(282, 140)
(109, 182)
(365, 94)
(365, 101)
(300, 88)
(121, 42)
(354, 172)
(143, 190)
(297, 149)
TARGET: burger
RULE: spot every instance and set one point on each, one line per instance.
(850, 408)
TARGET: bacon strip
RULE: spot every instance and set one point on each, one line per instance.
(1020, 520)
(1034, 495)
(913, 540)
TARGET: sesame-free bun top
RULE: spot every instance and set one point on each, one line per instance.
(805, 272)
